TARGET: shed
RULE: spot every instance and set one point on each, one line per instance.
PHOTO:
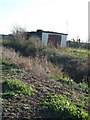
(53, 39)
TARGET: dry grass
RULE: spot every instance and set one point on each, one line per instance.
(40, 66)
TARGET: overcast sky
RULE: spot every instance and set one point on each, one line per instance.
(64, 16)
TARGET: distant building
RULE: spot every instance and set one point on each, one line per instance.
(9, 36)
(53, 39)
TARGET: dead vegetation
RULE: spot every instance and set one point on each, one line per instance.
(41, 67)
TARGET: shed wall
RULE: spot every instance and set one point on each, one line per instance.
(45, 38)
(63, 40)
(46, 35)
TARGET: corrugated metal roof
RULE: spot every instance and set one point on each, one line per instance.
(51, 32)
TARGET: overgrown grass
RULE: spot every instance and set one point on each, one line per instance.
(32, 46)
(40, 66)
(9, 67)
(77, 53)
(82, 86)
(66, 59)
(64, 109)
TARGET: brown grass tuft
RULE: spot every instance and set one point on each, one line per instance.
(40, 66)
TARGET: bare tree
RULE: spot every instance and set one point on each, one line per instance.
(19, 33)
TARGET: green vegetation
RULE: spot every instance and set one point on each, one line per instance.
(75, 92)
(30, 48)
(0, 101)
(59, 76)
(14, 87)
(65, 109)
(73, 85)
(7, 66)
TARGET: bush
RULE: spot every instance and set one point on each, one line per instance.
(79, 70)
(30, 47)
(15, 87)
(64, 109)
(82, 86)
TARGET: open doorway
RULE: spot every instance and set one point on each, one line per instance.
(54, 40)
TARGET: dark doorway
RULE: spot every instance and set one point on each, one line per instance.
(54, 40)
